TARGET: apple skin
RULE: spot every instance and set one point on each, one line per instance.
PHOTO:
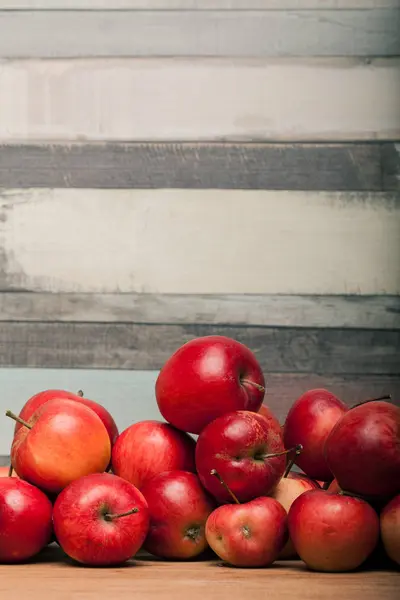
(286, 491)
(80, 525)
(67, 440)
(148, 448)
(248, 535)
(332, 532)
(4, 472)
(363, 450)
(34, 403)
(390, 529)
(309, 422)
(179, 508)
(334, 487)
(237, 445)
(25, 520)
(204, 379)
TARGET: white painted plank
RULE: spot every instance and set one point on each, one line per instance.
(208, 241)
(196, 4)
(201, 99)
(63, 34)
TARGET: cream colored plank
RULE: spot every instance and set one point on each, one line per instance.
(192, 241)
(202, 99)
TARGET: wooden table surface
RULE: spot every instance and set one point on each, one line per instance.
(51, 575)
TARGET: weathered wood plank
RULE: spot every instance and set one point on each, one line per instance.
(63, 34)
(138, 347)
(369, 167)
(200, 99)
(196, 4)
(199, 242)
(365, 312)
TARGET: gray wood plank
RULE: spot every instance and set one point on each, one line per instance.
(362, 167)
(366, 312)
(61, 34)
(147, 347)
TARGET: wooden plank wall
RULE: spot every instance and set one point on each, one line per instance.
(172, 168)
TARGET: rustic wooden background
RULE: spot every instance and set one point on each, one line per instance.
(172, 168)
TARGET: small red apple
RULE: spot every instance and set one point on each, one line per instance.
(363, 450)
(148, 448)
(390, 529)
(206, 378)
(101, 520)
(246, 451)
(34, 403)
(62, 441)
(286, 491)
(309, 422)
(248, 535)
(332, 532)
(25, 520)
(179, 508)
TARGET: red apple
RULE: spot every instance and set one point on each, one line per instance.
(332, 532)
(248, 535)
(148, 448)
(101, 520)
(309, 422)
(62, 441)
(286, 491)
(206, 378)
(390, 529)
(4, 472)
(179, 508)
(241, 446)
(363, 450)
(32, 405)
(25, 520)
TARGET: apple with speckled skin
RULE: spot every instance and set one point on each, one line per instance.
(250, 534)
(247, 451)
(25, 520)
(206, 378)
(332, 532)
(148, 448)
(390, 528)
(101, 520)
(179, 508)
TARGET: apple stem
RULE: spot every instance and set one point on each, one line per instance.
(345, 493)
(10, 471)
(226, 486)
(109, 517)
(297, 450)
(259, 387)
(80, 393)
(385, 397)
(18, 419)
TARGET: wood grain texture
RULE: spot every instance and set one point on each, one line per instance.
(356, 167)
(129, 395)
(365, 312)
(200, 99)
(199, 242)
(147, 347)
(51, 575)
(63, 34)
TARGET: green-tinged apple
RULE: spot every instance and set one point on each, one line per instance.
(390, 529)
(62, 441)
(101, 520)
(148, 448)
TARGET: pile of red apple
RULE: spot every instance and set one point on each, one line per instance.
(102, 495)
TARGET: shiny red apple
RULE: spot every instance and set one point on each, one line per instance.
(206, 378)
(363, 450)
(248, 535)
(179, 508)
(32, 405)
(148, 448)
(241, 446)
(332, 532)
(25, 520)
(390, 529)
(101, 520)
(309, 422)
(62, 441)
